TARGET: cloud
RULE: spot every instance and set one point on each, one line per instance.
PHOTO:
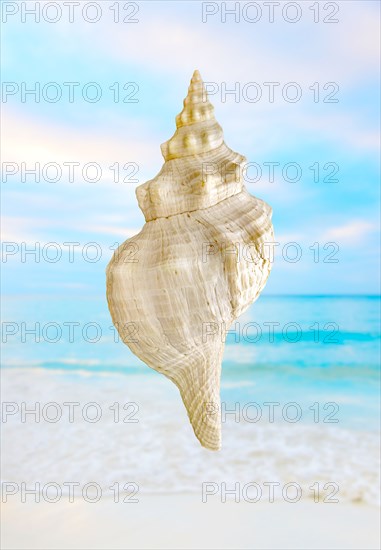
(118, 231)
(346, 129)
(18, 229)
(351, 232)
(30, 140)
(172, 39)
(33, 231)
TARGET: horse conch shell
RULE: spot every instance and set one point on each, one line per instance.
(183, 280)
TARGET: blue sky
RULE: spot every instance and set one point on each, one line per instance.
(159, 54)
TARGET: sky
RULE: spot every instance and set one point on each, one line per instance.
(111, 77)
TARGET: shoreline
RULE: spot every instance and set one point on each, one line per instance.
(152, 444)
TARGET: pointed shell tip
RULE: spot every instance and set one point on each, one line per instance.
(196, 76)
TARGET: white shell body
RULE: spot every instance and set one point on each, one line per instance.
(201, 259)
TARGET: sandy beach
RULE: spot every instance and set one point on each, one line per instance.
(183, 522)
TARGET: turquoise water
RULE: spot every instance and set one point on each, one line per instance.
(306, 349)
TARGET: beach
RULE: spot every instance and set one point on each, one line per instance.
(181, 522)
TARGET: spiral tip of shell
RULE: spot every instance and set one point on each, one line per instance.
(196, 77)
(197, 129)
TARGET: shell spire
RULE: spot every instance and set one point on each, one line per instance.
(185, 185)
(197, 129)
(184, 287)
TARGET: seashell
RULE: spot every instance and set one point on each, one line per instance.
(183, 280)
